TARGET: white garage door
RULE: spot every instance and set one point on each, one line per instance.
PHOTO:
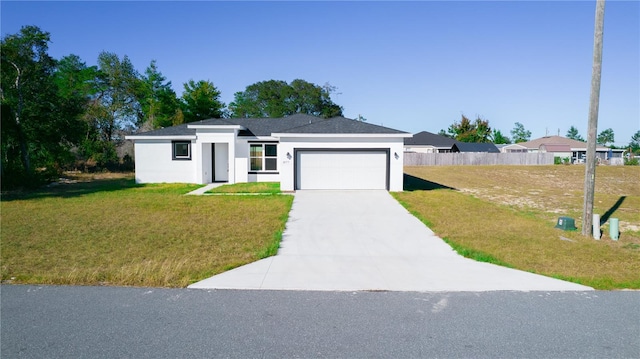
(343, 169)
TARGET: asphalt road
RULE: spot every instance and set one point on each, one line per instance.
(107, 322)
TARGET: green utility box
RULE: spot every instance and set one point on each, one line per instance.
(566, 224)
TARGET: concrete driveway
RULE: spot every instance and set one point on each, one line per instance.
(365, 240)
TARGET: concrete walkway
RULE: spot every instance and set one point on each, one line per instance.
(210, 186)
(365, 240)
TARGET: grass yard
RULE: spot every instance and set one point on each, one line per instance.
(110, 231)
(507, 214)
(252, 187)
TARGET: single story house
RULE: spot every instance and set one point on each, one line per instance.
(475, 147)
(299, 151)
(427, 142)
(566, 147)
(512, 148)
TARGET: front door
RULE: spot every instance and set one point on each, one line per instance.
(220, 158)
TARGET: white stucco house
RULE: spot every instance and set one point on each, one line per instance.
(299, 151)
(512, 148)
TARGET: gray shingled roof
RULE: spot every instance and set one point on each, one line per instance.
(425, 138)
(338, 125)
(267, 126)
(298, 123)
(178, 130)
(475, 147)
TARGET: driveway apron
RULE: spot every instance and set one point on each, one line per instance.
(365, 240)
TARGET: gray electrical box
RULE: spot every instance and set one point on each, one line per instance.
(566, 224)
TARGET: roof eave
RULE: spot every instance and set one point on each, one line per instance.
(164, 137)
(259, 138)
(217, 127)
(344, 135)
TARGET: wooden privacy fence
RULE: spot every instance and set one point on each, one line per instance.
(476, 159)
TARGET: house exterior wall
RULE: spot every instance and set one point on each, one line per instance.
(286, 155)
(242, 160)
(420, 149)
(155, 163)
(513, 148)
(263, 177)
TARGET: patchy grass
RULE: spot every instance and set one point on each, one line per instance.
(252, 187)
(113, 232)
(506, 214)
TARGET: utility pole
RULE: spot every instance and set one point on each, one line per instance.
(594, 102)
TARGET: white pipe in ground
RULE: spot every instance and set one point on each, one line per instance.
(614, 232)
(596, 226)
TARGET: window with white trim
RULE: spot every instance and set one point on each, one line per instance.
(181, 150)
(263, 157)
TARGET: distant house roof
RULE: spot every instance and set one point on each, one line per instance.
(554, 148)
(475, 147)
(298, 123)
(425, 138)
(557, 140)
(509, 145)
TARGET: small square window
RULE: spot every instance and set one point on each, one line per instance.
(256, 151)
(256, 164)
(181, 150)
(271, 164)
(270, 150)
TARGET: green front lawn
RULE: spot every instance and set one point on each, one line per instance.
(252, 187)
(114, 232)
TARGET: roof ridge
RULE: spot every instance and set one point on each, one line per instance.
(311, 122)
(210, 120)
(365, 122)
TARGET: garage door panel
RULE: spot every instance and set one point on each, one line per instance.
(341, 169)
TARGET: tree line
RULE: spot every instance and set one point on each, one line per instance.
(60, 113)
(479, 131)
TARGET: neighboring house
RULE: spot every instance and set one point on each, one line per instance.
(512, 148)
(474, 147)
(427, 142)
(562, 151)
(566, 147)
(299, 151)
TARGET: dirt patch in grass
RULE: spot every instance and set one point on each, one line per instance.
(508, 213)
(114, 232)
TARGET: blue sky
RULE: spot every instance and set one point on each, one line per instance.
(413, 66)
